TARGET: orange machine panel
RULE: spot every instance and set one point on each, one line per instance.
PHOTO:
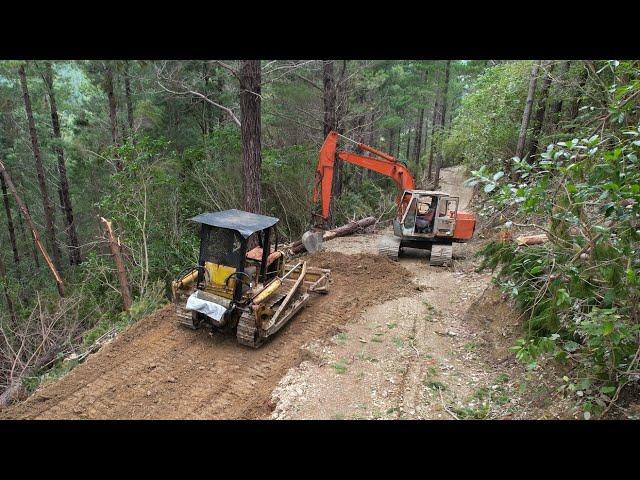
(465, 225)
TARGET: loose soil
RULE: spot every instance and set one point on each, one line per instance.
(157, 369)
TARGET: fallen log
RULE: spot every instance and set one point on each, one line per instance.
(532, 239)
(342, 231)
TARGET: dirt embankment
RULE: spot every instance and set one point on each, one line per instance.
(157, 369)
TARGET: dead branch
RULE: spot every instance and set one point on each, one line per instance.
(116, 253)
(34, 231)
(205, 98)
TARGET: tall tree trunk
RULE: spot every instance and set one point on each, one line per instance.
(359, 131)
(574, 106)
(34, 231)
(556, 107)
(329, 95)
(435, 121)
(392, 140)
(408, 144)
(250, 88)
(526, 115)
(342, 98)
(538, 119)
(7, 295)
(445, 94)
(49, 213)
(12, 232)
(127, 93)
(65, 197)
(34, 249)
(417, 143)
(443, 117)
(425, 136)
(113, 113)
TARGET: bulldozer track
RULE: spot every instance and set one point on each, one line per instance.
(158, 369)
(389, 247)
(247, 331)
(441, 255)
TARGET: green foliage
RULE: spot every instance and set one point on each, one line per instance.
(580, 289)
(340, 366)
(485, 129)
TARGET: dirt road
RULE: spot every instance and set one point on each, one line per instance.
(156, 369)
(441, 352)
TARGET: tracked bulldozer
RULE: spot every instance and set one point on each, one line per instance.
(253, 292)
(425, 219)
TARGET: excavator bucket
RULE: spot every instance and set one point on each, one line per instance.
(312, 241)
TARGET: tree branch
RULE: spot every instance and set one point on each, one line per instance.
(233, 71)
(205, 98)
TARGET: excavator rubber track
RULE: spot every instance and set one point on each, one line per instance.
(389, 247)
(441, 255)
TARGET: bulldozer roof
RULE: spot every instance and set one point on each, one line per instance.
(245, 223)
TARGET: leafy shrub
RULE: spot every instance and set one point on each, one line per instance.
(580, 289)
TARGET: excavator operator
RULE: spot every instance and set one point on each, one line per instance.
(424, 218)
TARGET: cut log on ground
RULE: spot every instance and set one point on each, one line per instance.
(532, 239)
(344, 230)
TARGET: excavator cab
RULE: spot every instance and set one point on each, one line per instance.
(242, 281)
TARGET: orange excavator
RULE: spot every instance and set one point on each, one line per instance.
(426, 219)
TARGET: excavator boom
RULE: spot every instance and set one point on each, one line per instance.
(384, 164)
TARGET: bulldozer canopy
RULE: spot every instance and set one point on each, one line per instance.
(245, 223)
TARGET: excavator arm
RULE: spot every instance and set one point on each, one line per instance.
(381, 163)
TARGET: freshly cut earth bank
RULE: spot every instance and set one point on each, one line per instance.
(157, 369)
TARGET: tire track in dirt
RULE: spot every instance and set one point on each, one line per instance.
(157, 369)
